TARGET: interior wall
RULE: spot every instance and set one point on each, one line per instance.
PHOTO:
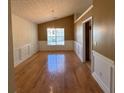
(67, 23)
(103, 42)
(24, 37)
(78, 36)
(103, 27)
(78, 26)
(23, 31)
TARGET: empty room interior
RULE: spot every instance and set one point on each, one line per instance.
(62, 46)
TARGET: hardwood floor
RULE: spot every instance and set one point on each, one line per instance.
(54, 72)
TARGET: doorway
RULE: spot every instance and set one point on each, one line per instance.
(87, 25)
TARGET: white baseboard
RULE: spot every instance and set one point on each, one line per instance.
(69, 45)
(103, 72)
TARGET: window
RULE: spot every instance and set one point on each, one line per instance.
(55, 36)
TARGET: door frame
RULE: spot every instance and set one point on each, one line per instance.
(91, 38)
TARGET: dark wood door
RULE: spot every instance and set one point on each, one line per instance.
(87, 40)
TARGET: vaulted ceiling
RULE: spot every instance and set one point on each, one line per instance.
(40, 11)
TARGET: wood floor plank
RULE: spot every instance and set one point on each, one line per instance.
(54, 72)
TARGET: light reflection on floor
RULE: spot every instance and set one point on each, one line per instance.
(56, 63)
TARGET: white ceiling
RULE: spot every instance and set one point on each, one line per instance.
(40, 11)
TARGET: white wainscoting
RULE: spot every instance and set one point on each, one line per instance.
(103, 72)
(24, 52)
(78, 48)
(69, 45)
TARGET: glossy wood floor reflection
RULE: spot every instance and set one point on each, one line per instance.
(54, 72)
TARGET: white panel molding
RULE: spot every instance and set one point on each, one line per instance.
(100, 82)
(24, 52)
(105, 58)
(103, 72)
(43, 46)
(78, 48)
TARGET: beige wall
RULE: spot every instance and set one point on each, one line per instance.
(103, 27)
(79, 27)
(67, 23)
(24, 32)
(25, 39)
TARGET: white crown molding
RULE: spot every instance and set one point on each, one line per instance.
(84, 14)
